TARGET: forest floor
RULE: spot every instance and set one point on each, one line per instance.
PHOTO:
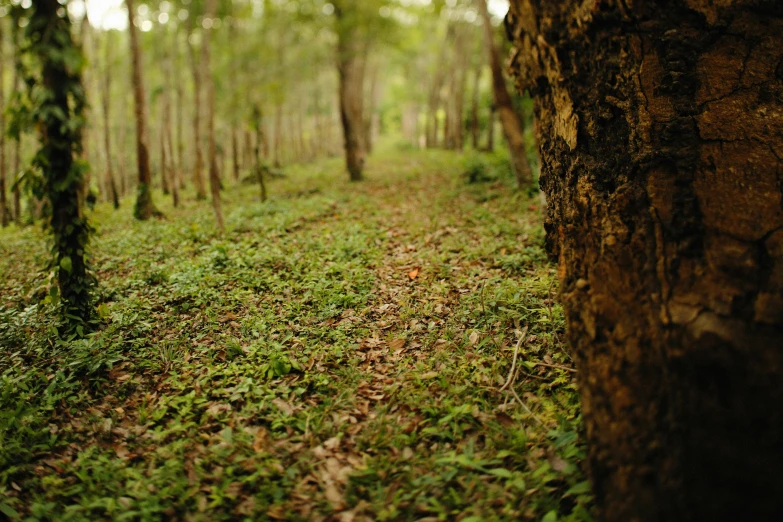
(339, 354)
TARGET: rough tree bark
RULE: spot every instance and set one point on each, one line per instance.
(350, 67)
(660, 130)
(144, 208)
(513, 129)
(209, 87)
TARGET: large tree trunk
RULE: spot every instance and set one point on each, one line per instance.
(660, 131)
(513, 129)
(145, 208)
(350, 67)
(209, 88)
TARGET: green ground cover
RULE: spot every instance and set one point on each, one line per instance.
(339, 354)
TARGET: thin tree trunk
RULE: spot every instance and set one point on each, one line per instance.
(179, 90)
(350, 68)
(474, 110)
(168, 166)
(198, 168)
(209, 87)
(247, 150)
(259, 167)
(106, 102)
(491, 129)
(4, 213)
(235, 152)
(18, 139)
(513, 129)
(370, 112)
(145, 208)
(278, 147)
(660, 139)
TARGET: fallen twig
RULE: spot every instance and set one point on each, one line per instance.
(512, 373)
(566, 368)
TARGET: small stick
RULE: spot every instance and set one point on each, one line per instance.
(556, 366)
(511, 374)
(525, 406)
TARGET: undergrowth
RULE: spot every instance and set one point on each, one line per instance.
(339, 354)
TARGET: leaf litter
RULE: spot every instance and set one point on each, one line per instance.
(339, 355)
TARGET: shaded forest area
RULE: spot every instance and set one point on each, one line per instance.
(288, 260)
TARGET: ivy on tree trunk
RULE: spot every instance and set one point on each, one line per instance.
(59, 103)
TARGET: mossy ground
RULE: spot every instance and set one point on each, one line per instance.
(338, 354)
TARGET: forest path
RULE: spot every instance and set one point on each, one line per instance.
(337, 355)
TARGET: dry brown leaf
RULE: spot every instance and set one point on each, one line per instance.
(474, 337)
(260, 441)
(333, 495)
(396, 344)
(283, 406)
(332, 444)
(505, 419)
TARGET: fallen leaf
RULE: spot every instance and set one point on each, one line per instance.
(504, 419)
(396, 344)
(474, 338)
(283, 406)
(332, 444)
(333, 496)
(413, 274)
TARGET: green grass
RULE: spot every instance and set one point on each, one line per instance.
(338, 354)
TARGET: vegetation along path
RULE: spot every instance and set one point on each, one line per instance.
(342, 352)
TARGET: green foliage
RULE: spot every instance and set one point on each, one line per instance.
(56, 105)
(239, 376)
(483, 168)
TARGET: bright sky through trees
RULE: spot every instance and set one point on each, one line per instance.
(110, 14)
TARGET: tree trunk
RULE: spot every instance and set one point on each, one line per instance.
(259, 167)
(4, 212)
(179, 90)
(513, 129)
(474, 110)
(369, 117)
(198, 168)
(350, 68)
(209, 87)
(235, 152)
(168, 162)
(18, 139)
(106, 102)
(145, 208)
(659, 132)
(491, 129)
(57, 118)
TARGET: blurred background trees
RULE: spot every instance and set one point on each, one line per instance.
(297, 79)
